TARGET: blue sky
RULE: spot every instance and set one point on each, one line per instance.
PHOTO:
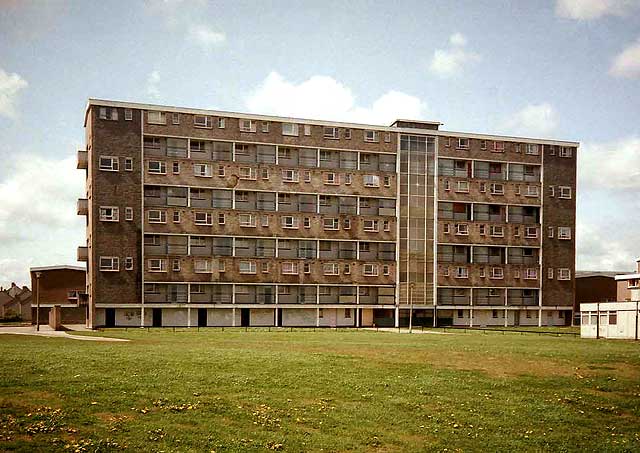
(566, 69)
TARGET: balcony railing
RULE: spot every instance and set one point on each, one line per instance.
(83, 160)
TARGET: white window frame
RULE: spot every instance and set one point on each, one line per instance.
(565, 151)
(290, 222)
(462, 229)
(250, 176)
(156, 265)
(206, 124)
(330, 132)
(462, 272)
(371, 180)
(113, 216)
(161, 167)
(290, 129)
(531, 273)
(497, 273)
(330, 269)
(370, 270)
(371, 136)
(331, 223)
(128, 164)
(460, 143)
(533, 149)
(371, 225)
(462, 187)
(564, 233)
(156, 117)
(114, 264)
(202, 170)
(494, 188)
(496, 231)
(249, 267)
(128, 213)
(128, 263)
(532, 191)
(565, 192)
(202, 218)
(528, 232)
(564, 273)
(160, 218)
(202, 266)
(128, 115)
(114, 163)
(246, 125)
(247, 220)
(289, 268)
(222, 123)
(290, 175)
(330, 178)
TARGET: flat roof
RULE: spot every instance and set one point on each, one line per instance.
(56, 268)
(414, 131)
(437, 123)
(627, 276)
(586, 274)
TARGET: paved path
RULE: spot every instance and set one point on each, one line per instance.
(46, 331)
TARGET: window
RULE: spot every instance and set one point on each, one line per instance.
(531, 274)
(265, 221)
(482, 229)
(371, 180)
(247, 267)
(264, 173)
(445, 228)
(564, 273)
(347, 134)
(290, 222)
(175, 118)
(221, 218)
(202, 121)
(482, 272)
(386, 270)
(462, 229)
(109, 214)
(247, 126)
(331, 223)
(221, 171)
(330, 269)
(109, 263)
(550, 231)
(482, 187)
(247, 173)
(564, 233)
(306, 267)
(290, 175)
(370, 226)
(128, 114)
(387, 137)
(247, 220)
(108, 163)
(157, 167)
(533, 149)
(307, 222)
(290, 129)
(387, 181)
(497, 273)
(202, 170)
(331, 132)
(565, 192)
(128, 164)
(203, 218)
(202, 266)
(157, 216)
(483, 144)
(565, 152)
(370, 136)
(370, 270)
(532, 191)
(307, 129)
(156, 117)
(498, 147)
(462, 272)
(462, 186)
(175, 265)
(330, 178)
(531, 232)
(176, 216)
(128, 213)
(613, 318)
(446, 185)
(157, 265)
(265, 126)
(497, 189)
(447, 141)
(128, 263)
(496, 231)
(290, 268)
(463, 143)
(550, 273)
(176, 168)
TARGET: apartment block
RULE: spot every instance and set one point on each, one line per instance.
(207, 218)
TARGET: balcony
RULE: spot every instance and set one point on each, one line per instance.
(83, 206)
(83, 160)
(83, 253)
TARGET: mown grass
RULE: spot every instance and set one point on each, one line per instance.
(332, 391)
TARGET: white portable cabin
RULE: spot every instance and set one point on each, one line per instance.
(620, 320)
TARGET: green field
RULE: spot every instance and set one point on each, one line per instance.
(321, 391)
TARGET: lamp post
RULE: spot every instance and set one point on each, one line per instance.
(38, 274)
(411, 286)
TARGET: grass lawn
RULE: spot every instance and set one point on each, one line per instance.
(328, 390)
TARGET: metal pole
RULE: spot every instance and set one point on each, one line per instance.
(38, 274)
(597, 320)
(637, 317)
(410, 307)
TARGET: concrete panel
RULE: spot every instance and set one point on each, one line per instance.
(125, 317)
(174, 317)
(222, 317)
(262, 317)
(299, 317)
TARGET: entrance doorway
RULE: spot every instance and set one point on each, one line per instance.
(110, 317)
(202, 317)
(157, 317)
(245, 317)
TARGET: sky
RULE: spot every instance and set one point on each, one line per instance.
(566, 69)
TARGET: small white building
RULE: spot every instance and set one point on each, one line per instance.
(619, 320)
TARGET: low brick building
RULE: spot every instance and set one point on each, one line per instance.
(629, 285)
(59, 285)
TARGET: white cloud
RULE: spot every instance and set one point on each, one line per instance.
(205, 36)
(614, 165)
(152, 85)
(534, 120)
(450, 62)
(627, 63)
(322, 97)
(10, 86)
(594, 9)
(598, 248)
(38, 221)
